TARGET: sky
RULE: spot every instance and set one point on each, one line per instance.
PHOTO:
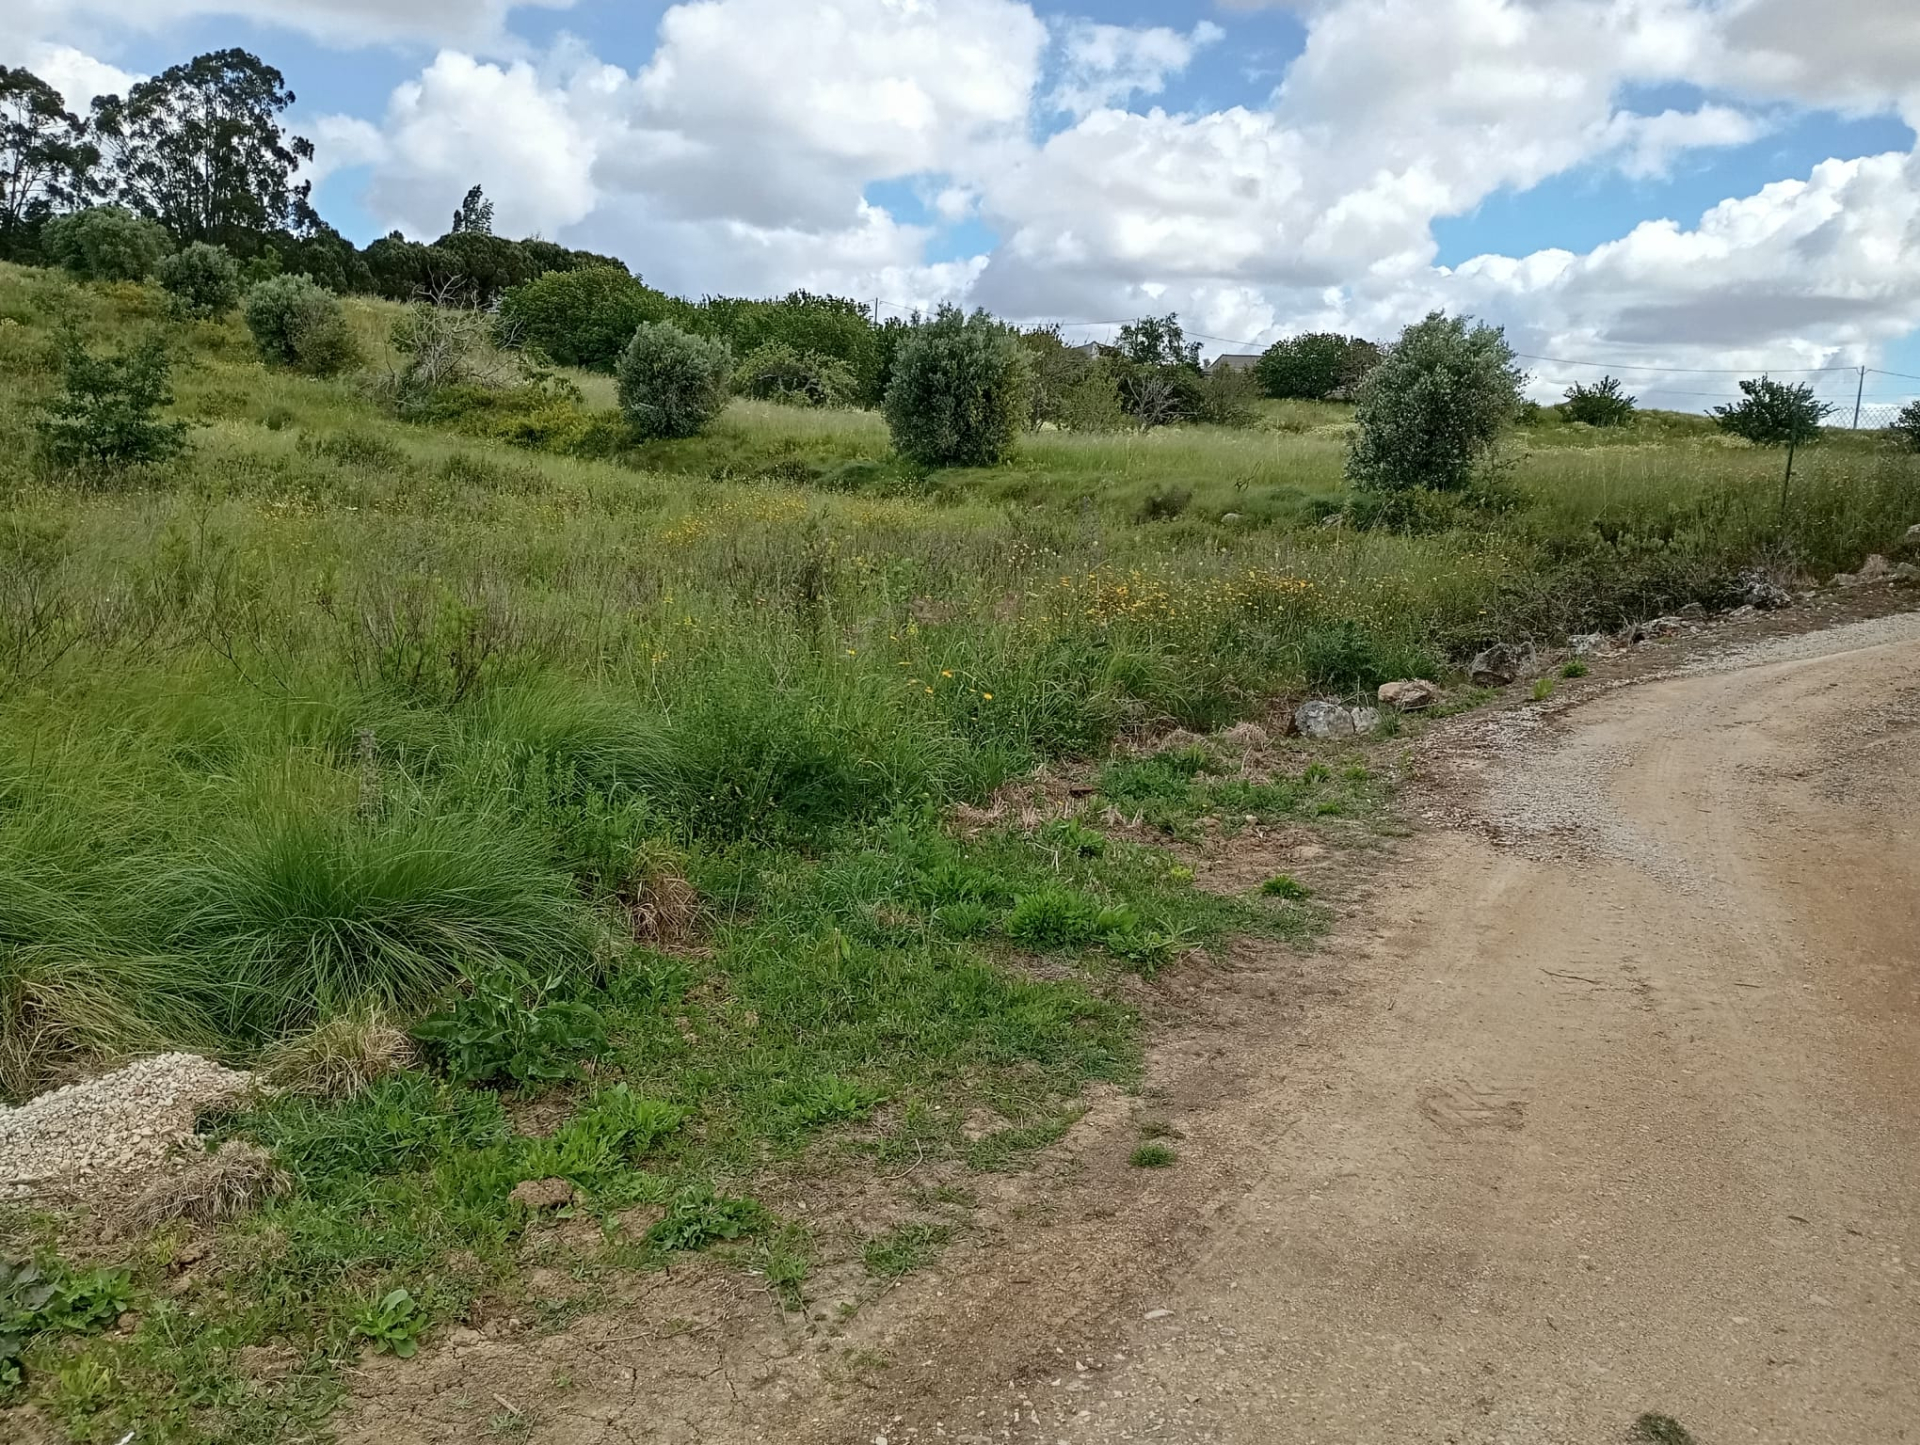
(1675, 191)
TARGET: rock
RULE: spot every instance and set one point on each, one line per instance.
(1338, 519)
(1320, 719)
(1501, 664)
(1874, 569)
(542, 1194)
(1365, 720)
(1658, 628)
(1906, 572)
(1742, 613)
(1693, 612)
(1910, 544)
(1588, 644)
(1761, 591)
(1410, 694)
(1232, 517)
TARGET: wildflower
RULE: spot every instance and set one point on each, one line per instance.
(987, 695)
(946, 672)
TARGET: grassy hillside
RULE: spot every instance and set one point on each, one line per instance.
(343, 711)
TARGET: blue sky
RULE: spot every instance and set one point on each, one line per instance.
(1652, 182)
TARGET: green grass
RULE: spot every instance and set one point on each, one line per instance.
(1152, 1156)
(344, 711)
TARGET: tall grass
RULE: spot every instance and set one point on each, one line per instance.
(340, 705)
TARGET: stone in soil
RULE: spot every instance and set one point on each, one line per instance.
(1409, 694)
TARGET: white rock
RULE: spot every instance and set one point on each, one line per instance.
(1322, 719)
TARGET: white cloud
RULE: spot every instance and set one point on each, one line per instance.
(530, 137)
(76, 75)
(472, 23)
(739, 154)
(1109, 64)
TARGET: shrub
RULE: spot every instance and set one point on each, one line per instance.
(444, 346)
(959, 393)
(580, 318)
(1431, 413)
(298, 323)
(671, 383)
(1320, 366)
(106, 243)
(109, 410)
(1605, 403)
(1226, 397)
(1906, 426)
(779, 372)
(203, 280)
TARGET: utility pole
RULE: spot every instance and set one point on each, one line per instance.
(1859, 396)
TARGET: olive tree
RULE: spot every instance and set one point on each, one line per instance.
(960, 391)
(1433, 411)
(671, 383)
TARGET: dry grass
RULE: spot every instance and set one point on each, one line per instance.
(223, 1185)
(339, 1058)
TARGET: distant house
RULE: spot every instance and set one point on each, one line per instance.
(1091, 348)
(1235, 361)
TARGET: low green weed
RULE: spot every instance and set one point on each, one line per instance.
(1573, 669)
(393, 1324)
(504, 1031)
(699, 1217)
(1152, 1156)
(1286, 887)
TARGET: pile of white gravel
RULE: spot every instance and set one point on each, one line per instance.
(112, 1132)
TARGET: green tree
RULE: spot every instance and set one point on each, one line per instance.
(1605, 403)
(475, 214)
(1319, 366)
(581, 318)
(960, 391)
(299, 324)
(47, 163)
(780, 372)
(108, 411)
(1775, 414)
(200, 149)
(1434, 409)
(105, 243)
(1158, 341)
(670, 382)
(203, 280)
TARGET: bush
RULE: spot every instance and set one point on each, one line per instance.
(1774, 413)
(1320, 366)
(779, 372)
(960, 391)
(672, 384)
(106, 243)
(203, 280)
(109, 411)
(580, 318)
(1431, 413)
(298, 323)
(1604, 403)
(1906, 426)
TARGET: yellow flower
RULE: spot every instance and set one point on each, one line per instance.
(945, 672)
(988, 696)
(852, 653)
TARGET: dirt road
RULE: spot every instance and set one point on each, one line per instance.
(1603, 1100)
(1628, 1119)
